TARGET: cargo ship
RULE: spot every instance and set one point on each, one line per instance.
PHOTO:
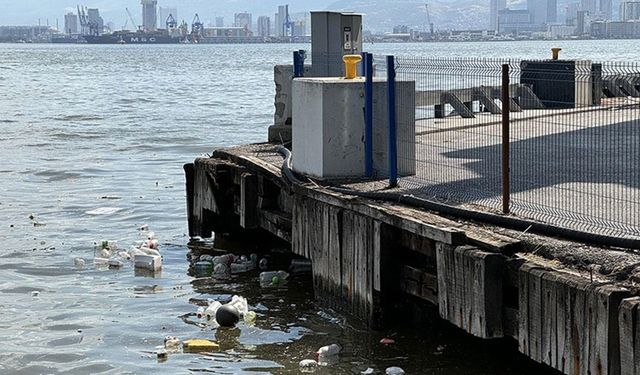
(127, 37)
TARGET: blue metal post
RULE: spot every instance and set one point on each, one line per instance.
(391, 110)
(368, 114)
(298, 63)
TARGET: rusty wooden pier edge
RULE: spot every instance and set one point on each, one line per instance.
(365, 253)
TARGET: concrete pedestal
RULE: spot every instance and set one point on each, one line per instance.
(328, 127)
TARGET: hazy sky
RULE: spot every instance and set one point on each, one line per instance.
(22, 12)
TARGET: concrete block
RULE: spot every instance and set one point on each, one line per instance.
(282, 76)
(328, 127)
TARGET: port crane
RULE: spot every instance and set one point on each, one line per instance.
(172, 24)
(431, 30)
(287, 25)
(197, 29)
(133, 22)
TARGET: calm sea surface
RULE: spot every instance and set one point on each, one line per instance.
(92, 143)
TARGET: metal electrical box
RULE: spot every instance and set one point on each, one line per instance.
(333, 35)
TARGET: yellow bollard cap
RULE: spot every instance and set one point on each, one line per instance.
(351, 65)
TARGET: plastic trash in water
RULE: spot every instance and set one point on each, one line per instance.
(149, 251)
(79, 263)
(228, 316)
(144, 227)
(115, 264)
(163, 355)
(368, 371)
(148, 262)
(105, 244)
(226, 259)
(210, 311)
(104, 253)
(221, 271)
(263, 264)
(394, 371)
(203, 269)
(172, 344)
(200, 312)
(206, 258)
(199, 346)
(100, 261)
(329, 351)
(273, 277)
(308, 365)
(240, 303)
(250, 318)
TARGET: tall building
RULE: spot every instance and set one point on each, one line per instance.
(543, 11)
(149, 15)
(514, 21)
(264, 26)
(70, 23)
(589, 6)
(163, 15)
(630, 10)
(495, 7)
(242, 20)
(572, 13)
(280, 20)
(605, 9)
(219, 21)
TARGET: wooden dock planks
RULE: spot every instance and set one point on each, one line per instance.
(470, 289)
(568, 322)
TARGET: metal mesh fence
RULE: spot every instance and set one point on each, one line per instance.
(573, 138)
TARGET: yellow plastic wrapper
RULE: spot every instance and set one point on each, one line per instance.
(199, 345)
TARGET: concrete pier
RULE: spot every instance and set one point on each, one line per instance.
(558, 301)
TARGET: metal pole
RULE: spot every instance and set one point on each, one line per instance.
(298, 63)
(391, 110)
(368, 114)
(506, 111)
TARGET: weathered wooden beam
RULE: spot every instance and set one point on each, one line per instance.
(629, 320)
(419, 283)
(470, 289)
(248, 201)
(568, 322)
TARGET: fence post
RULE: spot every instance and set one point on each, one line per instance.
(506, 112)
(298, 63)
(391, 110)
(368, 114)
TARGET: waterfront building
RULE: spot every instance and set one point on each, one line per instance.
(589, 6)
(71, 23)
(280, 20)
(149, 15)
(242, 20)
(163, 15)
(264, 26)
(219, 21)
(495, 7)
(23, 33)
(617, 29)
(605, 9)
(514, 21)
(630, 10)
(543, 11)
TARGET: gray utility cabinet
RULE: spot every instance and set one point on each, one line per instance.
(333, 35)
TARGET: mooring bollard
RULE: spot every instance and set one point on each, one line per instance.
(351, 66)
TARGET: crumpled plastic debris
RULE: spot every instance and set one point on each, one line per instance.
(394, 371)
(237, 302)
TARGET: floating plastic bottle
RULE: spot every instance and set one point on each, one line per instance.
(203, 269)
(79, 263)
(271, 276)
(394, 371)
